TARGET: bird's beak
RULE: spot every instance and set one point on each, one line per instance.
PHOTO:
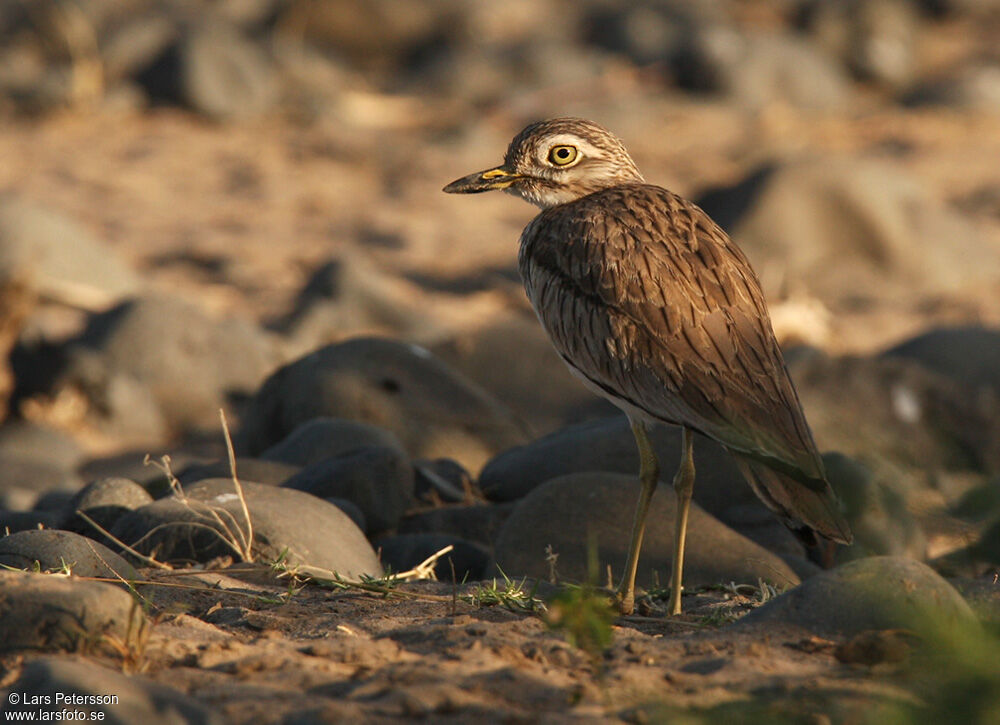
(498, 178)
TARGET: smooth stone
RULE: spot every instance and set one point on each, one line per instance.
(290, 525)
(880, 592)
(850, 228)
(875, 39)
(972, 87)
(351, 509)
(539, 389)
(608, 445)
(105, 501)
(760, 68)
(895, 413)
(51, 550)
(211, 360)
(46, 612)
(140, 700)
(14, 521)
(983, 595)
(433, 410)
(441, 479)
(26, 441)
(272, 473)
(352, 293)
(378, 480)
(969, 355)
(405, 551)
(321, 438)
(60, 258)
(564, 512)
(23, 481)
(478, 523)
(877, 512)
(224, 75)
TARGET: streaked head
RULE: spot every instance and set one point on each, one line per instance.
(554, 162)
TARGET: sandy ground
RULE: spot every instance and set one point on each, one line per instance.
(235, 218)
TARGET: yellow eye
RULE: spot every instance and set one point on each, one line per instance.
(563, 155)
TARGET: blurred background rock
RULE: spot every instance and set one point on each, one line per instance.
(195, 193)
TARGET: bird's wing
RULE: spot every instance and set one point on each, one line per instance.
(644, 295)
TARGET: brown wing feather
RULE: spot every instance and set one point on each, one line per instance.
(673, 320)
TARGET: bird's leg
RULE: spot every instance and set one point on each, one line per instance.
(683, 488)
(649, 473)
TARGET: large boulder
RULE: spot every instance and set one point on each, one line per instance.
(880, 592)
(54, 613)
(566, 512)
(849, 229)
(434, 411)
(287, 525)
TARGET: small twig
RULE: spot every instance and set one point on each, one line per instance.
(236, 483)
(148, 559)
(425, 569)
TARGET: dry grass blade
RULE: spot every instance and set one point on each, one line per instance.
(141, 557)
(236, 481)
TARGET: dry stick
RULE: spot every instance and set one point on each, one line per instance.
(236, 483)
(148, 559)
(114, 571)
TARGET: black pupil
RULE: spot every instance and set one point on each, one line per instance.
(563, 154)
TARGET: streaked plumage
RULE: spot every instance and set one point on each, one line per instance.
(651, 304)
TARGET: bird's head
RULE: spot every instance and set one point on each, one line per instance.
(556, 161)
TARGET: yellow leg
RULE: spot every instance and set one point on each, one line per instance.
(683, 488)
(649, 473)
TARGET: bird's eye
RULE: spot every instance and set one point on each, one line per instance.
(563, 155)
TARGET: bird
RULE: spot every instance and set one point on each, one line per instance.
(652, 306)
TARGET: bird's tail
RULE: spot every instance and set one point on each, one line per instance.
(804, 507)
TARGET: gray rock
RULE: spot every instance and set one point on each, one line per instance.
(134, 465)
(224, 75)
(210, 360)
(876, 510)
(540, 388)
(441, 480)
(849, 229)
(105, 501)
(881, 592)
(433, 410)
(608, 445)
(983, 596)
(272, 473)
(45, 612)
(32, 442)
(971, 87)
(59, 257)
(876, 39)
(466, 562)
(115, 402)
(758, 69)
(969, 355)
(480, 523)
(352, 294)
(22, 482)
(891, 412)
(51, 550)
(647, 32)
(286, 523)
(134, 44)
(139, 700)
(14, 521)
(352, 510)
(564, 512)
(321, 438)
(378, 480)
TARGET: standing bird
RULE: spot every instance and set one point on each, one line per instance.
(652, 306)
